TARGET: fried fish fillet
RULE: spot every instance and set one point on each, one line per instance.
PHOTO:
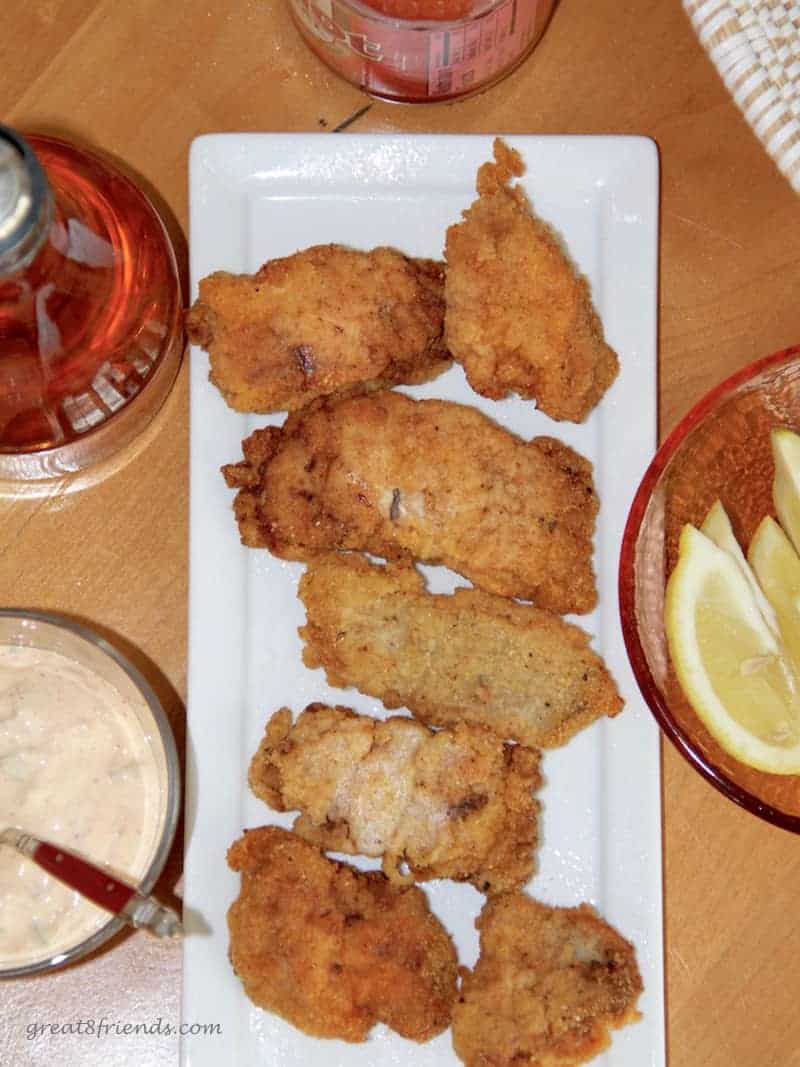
(319, 322)
(334, 950)
(470, 657)
(518, 317)
(453, 804)
(438, 481)
(547, 987)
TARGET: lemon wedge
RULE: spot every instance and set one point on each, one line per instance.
(777, 567)
(786, 485)
(717, 526)
(728, 660)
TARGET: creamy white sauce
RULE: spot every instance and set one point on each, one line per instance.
(78, 769)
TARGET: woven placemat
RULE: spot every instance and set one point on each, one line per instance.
(755, 46)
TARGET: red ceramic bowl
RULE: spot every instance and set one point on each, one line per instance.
(721, 449)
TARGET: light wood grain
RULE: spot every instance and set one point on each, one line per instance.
(140, 80)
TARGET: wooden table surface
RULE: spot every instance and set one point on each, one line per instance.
(141, 80)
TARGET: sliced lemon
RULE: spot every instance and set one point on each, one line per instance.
(728, 660)
(786, 485)
(777, 567)
(717, 526)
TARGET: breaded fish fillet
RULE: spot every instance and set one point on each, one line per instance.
(452, 804)
(334, 950)
(430, 479)
(548, 986)
(469, 657)
(318, 322)
(518, 316)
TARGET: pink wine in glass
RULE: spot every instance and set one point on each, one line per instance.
(91, 332)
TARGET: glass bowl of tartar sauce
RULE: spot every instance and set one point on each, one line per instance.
(87, 762)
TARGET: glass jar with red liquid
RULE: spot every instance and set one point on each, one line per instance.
(91, 331)
(417, 51)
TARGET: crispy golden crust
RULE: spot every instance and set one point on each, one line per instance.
(517, 316)
(334, 950)
(549, 985)
(453, 804)
(470, 657)
(430, 479)
(319, 322)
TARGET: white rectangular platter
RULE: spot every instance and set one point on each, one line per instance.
(255, 197)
